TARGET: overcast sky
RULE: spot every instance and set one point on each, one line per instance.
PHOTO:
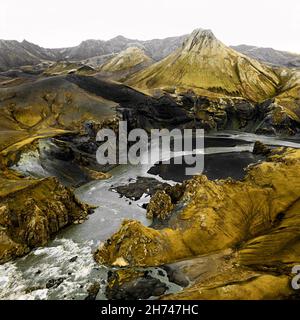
(62, 23)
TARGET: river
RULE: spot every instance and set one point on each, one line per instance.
(65, 268)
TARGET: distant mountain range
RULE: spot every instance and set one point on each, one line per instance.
(96, 52)
(270, 55)
(16, 54)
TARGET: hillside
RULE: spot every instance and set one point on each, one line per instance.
(125, 63)
(203, 62)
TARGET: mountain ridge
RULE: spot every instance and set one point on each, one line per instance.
(25, 52)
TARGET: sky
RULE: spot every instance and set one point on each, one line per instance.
(64, 23)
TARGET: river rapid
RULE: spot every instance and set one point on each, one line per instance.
(65, 268)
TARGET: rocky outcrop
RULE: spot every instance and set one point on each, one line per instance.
(129, 285)
(32, 211)
(257, 219)
(142, 185)
(260, 148)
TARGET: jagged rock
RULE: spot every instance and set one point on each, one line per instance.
(128, 285)
(142, 185)
(260, 148)
(93, 290)
(160, 206)
(257, 218)
(54, 283)
(32, 211)
(278, 119)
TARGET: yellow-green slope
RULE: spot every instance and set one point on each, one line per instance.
(203, 62)
(125, 63)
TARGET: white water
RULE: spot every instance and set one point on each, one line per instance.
(26, 278)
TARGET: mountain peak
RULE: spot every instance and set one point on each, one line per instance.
(199, 39)
(119, 38)
(203, 33)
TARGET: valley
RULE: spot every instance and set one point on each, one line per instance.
(71, 228)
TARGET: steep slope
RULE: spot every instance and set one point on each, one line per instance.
(32, 211)
(203, 62)
(270, 55)
(125, 63)
(13, 54)
(160, 48)
(39, 52)
(289, 96)
(49, 105)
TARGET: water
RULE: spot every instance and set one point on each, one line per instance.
(68, 259)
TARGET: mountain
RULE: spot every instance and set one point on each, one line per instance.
(39, 52)
(205, 63)
(15, 54)
(218, 87)
(125, 63)
(95, 52)
(160, 48)
(269, 55)
(156, 48)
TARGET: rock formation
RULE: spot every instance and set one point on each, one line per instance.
(254, 224)
(32, 211)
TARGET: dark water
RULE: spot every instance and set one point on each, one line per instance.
(216, 166)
